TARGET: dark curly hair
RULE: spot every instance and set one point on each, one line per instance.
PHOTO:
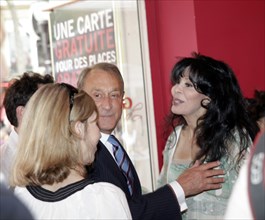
(226, 113)
(20, 91)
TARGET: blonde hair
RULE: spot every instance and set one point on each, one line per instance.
(48, 144)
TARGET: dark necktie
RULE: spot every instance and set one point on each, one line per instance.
(122, 161)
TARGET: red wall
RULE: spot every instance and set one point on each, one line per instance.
(232, 31)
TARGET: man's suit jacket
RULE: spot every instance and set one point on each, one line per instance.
(160, 204)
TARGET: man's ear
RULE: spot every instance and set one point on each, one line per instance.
(80, 129)
(19, 113)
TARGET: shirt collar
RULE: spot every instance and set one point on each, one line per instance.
(104, 138)
(108, 145)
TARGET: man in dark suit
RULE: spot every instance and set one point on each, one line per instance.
(104, 83)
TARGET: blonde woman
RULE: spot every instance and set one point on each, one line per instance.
(58, 137)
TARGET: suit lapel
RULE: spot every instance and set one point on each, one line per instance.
(105, 169)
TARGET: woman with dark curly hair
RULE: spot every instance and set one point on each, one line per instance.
(210, 122)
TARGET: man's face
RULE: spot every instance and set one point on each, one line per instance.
(107, 93)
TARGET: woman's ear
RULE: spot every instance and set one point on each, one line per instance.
(206, 101)
(80, 129)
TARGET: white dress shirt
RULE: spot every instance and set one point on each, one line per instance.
(7, 152)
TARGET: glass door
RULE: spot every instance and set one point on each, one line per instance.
(87, 32)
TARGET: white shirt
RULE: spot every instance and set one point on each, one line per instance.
(108, 145)
(239, 205)
(177, 189)
(76, 201)
(7, 152)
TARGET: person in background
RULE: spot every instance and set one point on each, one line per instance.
(16, 97)
(4, 124)
(210, 122)
(11, 207)
(256, 108)
(58, 137)
(104, 83)
(247, 200)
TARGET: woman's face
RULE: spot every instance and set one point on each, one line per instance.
(90, 139)
(186, 101)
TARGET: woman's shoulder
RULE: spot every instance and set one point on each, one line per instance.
(105, 185)
(108, 199)
(172, 138)
(103, 188)
(103, 192)
(19, 190)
